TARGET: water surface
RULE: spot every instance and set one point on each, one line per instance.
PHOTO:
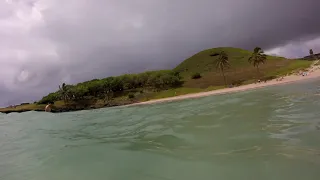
(271, 133)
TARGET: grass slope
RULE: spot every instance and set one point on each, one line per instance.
(240, 69)
(211, 79)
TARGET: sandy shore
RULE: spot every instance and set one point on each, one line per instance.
(313, 72)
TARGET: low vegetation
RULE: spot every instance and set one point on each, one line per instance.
(196, 75)
(208, 70)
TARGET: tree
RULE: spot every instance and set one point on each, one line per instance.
(78, 92)
(95, 87)
(142, 79)
(258, 57)
(222, 64)
(64, 92)
(50, 98)
(107, 91)
(311, 52)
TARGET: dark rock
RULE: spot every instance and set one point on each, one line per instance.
(312, 57)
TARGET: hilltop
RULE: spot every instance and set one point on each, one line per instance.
(195, 74)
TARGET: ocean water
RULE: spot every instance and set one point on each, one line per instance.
(266, 134)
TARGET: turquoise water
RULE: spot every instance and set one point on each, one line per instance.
(271, 133)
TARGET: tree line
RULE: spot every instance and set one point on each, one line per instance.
(111, 87)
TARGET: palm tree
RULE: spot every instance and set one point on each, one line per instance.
(258, 57)
(64, 92)
(222, 64)
(311, 52)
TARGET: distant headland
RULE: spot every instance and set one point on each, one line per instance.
(223, 69)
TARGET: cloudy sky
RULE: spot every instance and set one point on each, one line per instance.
(46, 42)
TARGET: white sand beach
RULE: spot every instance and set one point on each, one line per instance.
(312, 72)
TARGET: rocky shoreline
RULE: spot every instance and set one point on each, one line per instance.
(68, 109)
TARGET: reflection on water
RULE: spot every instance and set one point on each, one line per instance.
(271, 133)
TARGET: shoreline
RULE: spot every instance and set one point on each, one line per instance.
(313, 72)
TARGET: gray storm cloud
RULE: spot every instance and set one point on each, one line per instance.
(47, 42)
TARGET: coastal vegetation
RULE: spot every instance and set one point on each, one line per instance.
(205, 71)
(222, 63)
(258, 57)
(110, 88)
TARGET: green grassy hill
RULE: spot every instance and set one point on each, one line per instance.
(202, 62)
(146, 86)
(240, 69)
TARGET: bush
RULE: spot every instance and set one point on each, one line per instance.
(52, 97)
(131, 96)
(196, 76)
(238, 82)
(268, 78)
(78, 92)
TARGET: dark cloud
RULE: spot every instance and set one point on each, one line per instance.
(53, 41)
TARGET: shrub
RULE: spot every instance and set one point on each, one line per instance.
(78, 92)
(196, 76)
(238, 82)
(131, 96)
(52, 97)
(268, 78)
